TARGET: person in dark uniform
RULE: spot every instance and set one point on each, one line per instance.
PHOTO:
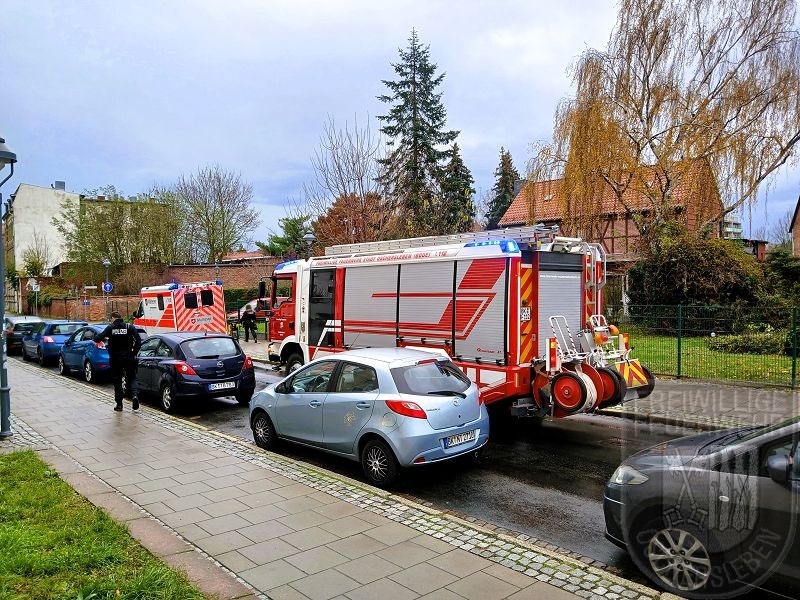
(123, 344)
(248, 321)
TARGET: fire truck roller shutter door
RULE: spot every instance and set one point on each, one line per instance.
(560, 292)
(426, 302)
(370, 306)
(481, 305)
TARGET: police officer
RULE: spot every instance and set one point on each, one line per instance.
(248, 321)
(123, 344)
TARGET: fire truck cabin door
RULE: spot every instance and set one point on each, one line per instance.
(321, 305)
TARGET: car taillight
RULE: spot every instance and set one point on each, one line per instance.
(101, 345)
(409, 409)
(248, 363)
(184, 368)
(48, 340)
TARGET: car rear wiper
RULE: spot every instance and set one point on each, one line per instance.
(448, 393)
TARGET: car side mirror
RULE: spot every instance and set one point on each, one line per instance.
(281, 388)
(779, 468)
(262, 289)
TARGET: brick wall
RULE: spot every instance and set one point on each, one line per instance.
(796, 238)
(233, 275)
(72, 308)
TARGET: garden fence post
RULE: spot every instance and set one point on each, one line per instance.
(680, 333)
(794, 347)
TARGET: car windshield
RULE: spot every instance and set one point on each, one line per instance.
(209, 347)
(430, 376)
(64, 328)
(26, 327)
(751, 435)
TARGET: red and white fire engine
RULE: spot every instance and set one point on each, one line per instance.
(485, 299)
(182, 307)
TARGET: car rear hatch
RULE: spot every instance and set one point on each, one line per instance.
(214, 357)
(441, 389)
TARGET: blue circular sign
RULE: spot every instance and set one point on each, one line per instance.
(107, 287)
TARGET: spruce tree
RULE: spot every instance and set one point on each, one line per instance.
(415, 129)
(455, 210)
(506, 178)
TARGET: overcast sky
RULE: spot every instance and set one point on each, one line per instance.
(136, 93)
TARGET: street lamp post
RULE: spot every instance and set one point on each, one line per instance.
(309, 238)
(7, 157)
(106, 264)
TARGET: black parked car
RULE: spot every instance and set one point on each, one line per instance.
(194, 365)
(17, 327)
(711, 515)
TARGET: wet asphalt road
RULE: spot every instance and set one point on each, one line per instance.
(542, 480)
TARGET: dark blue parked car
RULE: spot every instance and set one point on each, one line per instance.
(44, 342)
(80, 352)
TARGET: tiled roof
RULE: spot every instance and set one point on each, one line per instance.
(547, 207)
(243, 255)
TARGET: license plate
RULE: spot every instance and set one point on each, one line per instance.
(460, 438)
(228, 385)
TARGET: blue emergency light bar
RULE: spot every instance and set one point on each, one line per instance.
(506, 246)
(285, 264)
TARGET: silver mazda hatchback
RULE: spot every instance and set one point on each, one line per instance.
(385, 407)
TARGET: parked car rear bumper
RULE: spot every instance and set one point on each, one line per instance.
(245, 383)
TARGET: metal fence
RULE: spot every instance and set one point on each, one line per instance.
(748, 344)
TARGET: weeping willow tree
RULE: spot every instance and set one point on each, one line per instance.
(691, 99)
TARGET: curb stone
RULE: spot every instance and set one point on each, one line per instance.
(535, 561)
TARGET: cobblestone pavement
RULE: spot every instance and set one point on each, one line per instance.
(287, 529)
(24, 438)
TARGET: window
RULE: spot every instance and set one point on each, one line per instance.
(207, 297)
(25, 327)
(190, 300)
(314, 378)
(283, 291)
(160, 299)
(430, 376)
(149, 347)
(163, 350)
(210, 347)
(64, 328)
(357, 378)
(40, 329)
(88, 335)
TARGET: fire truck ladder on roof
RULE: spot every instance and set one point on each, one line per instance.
(529, 234)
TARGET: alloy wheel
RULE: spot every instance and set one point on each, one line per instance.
(88, 372)
(166, 398)
(679, 559)
(62, 368)
(262, 431)
(377, 463)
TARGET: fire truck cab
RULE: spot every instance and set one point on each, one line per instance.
(484, 299)
(196, 306)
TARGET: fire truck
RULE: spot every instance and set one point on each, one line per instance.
(519, 310)
(196, 306)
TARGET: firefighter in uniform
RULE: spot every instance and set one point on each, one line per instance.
(123, 344)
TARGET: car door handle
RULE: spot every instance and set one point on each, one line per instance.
(363, 405)
(315, 404)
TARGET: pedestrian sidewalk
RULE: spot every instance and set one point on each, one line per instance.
(707, 405)
(244, 523)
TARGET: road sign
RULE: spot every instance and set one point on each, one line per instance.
(33, 285)
(90, 287)
(86, 303)
(107, 287)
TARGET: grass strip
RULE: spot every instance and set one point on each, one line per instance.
(55, 544)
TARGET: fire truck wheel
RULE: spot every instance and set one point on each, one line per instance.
(614, 387)
(569, 392)
(378, 463)
(263, 431)
(645, 390)
(167, 398)
(294, 362)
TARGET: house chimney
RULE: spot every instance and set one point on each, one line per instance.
(60, 185)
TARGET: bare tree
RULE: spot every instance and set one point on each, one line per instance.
(779, 232)
(344, 198)
(36, 258)
(688, 94)
(218, 204)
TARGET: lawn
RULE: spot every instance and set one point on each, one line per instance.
(660, 354)
(55, 544)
